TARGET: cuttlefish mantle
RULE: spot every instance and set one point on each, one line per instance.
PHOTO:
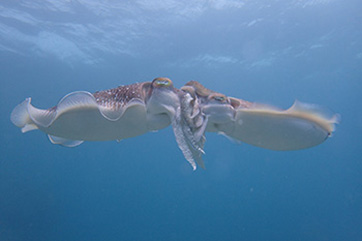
(133, 110)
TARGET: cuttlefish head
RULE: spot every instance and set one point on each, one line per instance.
(216, 106)
(163, 100)
(161, 96)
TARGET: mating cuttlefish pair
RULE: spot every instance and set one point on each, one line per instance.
(135, 109)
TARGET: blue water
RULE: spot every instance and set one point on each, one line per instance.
(142, 188)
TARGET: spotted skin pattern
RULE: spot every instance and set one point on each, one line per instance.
(120, 96)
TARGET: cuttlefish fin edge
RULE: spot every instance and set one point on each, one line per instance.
(315, 113)
(21, 118)
(64, 142)
(27, 117)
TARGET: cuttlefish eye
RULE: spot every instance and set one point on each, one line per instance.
(162, 82)
(218, 97)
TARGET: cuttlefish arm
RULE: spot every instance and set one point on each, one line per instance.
(187, 130)
(201, 108)
(299, 127)
(113, 114)
(184, 139)
(210, 108)
(174, 103)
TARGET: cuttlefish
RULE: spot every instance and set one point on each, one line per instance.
(114, 114)
(299, 127)
(133, 110)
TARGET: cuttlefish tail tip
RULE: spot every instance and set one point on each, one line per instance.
(21, 118)
(336, 119)
(323, 116)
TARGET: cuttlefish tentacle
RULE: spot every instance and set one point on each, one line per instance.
(165, 101)
(214, 108)
(195, 119)
(189, 112)
(168, 103)
(172, 103)
(201, 108)
(192, 155)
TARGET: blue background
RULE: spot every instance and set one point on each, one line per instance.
(142, 188)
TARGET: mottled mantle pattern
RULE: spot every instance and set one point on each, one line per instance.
(120, 96)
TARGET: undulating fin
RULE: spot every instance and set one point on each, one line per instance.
(64, 142)
(84, 99)
(233, 140)
(29, 118)
(75, 99)
(316, 113)
(26, 114)
(20, 117)
(29, 127)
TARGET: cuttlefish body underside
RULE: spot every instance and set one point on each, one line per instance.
(133, 110)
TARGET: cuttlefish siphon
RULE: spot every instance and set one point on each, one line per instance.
(133, 110)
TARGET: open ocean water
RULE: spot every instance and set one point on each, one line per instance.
(142, 188)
